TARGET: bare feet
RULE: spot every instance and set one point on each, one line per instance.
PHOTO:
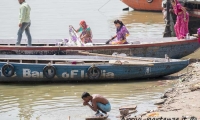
(104, 112)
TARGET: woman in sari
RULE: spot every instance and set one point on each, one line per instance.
(86, 32)
(122, 33)
(182, 19)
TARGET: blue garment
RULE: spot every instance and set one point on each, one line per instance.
(25, 27)
(104, 107)
(81, 29)
(84, 32)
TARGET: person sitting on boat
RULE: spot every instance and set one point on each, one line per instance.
(181, 26)
(122, 33)
(86, 35)
(99, 103)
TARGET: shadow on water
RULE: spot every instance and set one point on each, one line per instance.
(37, 83)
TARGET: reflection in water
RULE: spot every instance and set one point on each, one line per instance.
(58, 101)
(52, 20)
(143, 24)
(132, 17)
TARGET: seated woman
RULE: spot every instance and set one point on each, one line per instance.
(122, 33)
(86, 35)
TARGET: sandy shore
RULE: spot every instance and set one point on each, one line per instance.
(183, 100)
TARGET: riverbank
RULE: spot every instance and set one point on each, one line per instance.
(183, 100)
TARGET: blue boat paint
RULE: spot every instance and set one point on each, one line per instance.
(173, 51)
(34, 72)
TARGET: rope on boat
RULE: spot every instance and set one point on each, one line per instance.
(103, 5)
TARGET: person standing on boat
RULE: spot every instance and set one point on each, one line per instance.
(86, 35)
(24, 22)
(182, 19)
(122, 33)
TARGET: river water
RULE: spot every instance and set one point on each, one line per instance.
(50, 19)
(58, 101)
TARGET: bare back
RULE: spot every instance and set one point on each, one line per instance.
(99, 98)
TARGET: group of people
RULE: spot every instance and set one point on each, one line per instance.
(86, 32)
(86, 35)
(181, 26)
(98, 102)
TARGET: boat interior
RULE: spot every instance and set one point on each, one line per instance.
(192, 4)
(96, 42)
(82, 59)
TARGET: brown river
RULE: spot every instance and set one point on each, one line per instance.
(50, 19)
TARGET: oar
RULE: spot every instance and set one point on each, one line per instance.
(107, 42)
(104, 55)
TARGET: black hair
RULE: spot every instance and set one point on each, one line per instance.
(85, 94)
(118, 21)
(121, 24)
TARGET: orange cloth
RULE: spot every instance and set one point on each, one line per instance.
(154, 114)
(118, 42)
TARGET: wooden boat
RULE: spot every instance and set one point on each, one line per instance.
(97, 117)
(156, 47)
(144, 5)
(85, 68)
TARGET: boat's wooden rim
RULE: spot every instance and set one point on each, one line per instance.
(84, 63)
(95, 41)
(97, 118)
(85, 56)
(95, 58)
(59, 59)
(124, 46)
(69, 59)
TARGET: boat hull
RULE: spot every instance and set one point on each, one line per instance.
(34, 72)
(174, 49)
(143, 5)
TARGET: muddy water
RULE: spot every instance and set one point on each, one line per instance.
(50, 19)
(58, 101)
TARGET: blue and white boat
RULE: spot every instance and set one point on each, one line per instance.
(15, 68)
